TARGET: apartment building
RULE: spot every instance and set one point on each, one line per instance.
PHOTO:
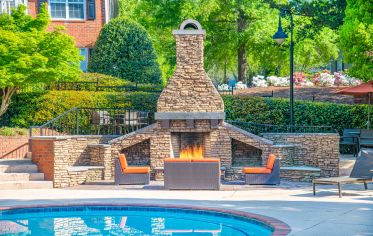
(83, 19)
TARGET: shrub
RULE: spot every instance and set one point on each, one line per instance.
(39, 107)
(276, 111)
(10, 131)
(125, 50)
(104, 80)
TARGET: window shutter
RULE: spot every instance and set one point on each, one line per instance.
(40, 3)
(91, 9)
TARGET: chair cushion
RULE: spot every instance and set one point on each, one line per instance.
(271, 161)
(256, 170)
(123, 161)
(136, 170)
(206, 160)
(176, 160)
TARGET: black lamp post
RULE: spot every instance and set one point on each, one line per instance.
(280, 37)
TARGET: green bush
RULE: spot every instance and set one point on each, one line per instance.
(39, 107)
(12, 131)
(103, 80)
(124, 49)
(306, 113)
(88, 82)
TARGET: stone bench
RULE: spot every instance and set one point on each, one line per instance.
(299, 173)
(82, 174)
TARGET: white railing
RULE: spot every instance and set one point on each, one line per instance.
(7, 5)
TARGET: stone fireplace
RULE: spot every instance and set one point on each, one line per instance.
(190, 112)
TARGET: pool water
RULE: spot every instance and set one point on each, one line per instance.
(128, 220)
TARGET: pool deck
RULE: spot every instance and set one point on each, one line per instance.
(292, 203)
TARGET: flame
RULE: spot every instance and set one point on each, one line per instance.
(193, 152)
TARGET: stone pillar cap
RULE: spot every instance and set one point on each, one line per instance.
(190, 23)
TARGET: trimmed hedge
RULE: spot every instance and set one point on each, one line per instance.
(306, 113)
(39, 107)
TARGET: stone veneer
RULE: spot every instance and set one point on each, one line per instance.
(189, 89)
(316, 150)
(220, 140)
(55, 155)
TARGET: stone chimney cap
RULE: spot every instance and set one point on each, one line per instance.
(190, 23)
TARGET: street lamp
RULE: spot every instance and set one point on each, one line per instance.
(280, 37)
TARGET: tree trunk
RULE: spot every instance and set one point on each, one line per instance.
(7, 94)
(242, 62)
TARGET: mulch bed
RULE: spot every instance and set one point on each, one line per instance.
(317, 94)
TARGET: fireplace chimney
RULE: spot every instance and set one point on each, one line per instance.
(189, 93)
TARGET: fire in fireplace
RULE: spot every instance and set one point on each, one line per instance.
(192, 152)
(189, 145)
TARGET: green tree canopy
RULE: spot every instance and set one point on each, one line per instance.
(125, 50)
(29, 54)
(239, 33)
(356, 38)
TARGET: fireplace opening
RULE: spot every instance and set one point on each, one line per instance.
(245, 155)
(189, 145)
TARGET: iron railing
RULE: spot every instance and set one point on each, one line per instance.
(17, 153)
(256, 128)
(93, 121)
(91, 86)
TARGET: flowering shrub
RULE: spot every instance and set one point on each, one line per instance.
(324, 79)
(345, 80)
(240, 85)
(259, 81)
(223, 87)
(278, 81)
(300, 78)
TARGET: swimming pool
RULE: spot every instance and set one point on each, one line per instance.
(128, 220)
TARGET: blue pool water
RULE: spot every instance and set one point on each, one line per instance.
(126, 220)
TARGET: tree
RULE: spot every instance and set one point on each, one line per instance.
(125, 50)
(30, 54)
(231, 26)
(356, 38)
(317, 51)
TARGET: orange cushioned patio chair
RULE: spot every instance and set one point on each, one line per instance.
(125, 174)
(269, 174)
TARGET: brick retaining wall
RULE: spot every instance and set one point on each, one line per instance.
(13, 147)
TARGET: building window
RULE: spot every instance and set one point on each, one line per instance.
(84, 62)
(67, 9)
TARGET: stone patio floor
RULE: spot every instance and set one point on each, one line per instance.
(293, 203)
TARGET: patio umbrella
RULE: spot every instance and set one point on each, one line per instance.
(362, 89)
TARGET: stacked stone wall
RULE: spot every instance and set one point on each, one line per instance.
(245, 155)
(317, 150)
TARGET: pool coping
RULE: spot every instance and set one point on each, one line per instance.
(280, 228)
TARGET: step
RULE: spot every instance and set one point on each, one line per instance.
(19, 168)
(9, 185)
(15, 161)
(21, 176)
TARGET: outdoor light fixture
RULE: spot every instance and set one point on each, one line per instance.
(280, 37)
